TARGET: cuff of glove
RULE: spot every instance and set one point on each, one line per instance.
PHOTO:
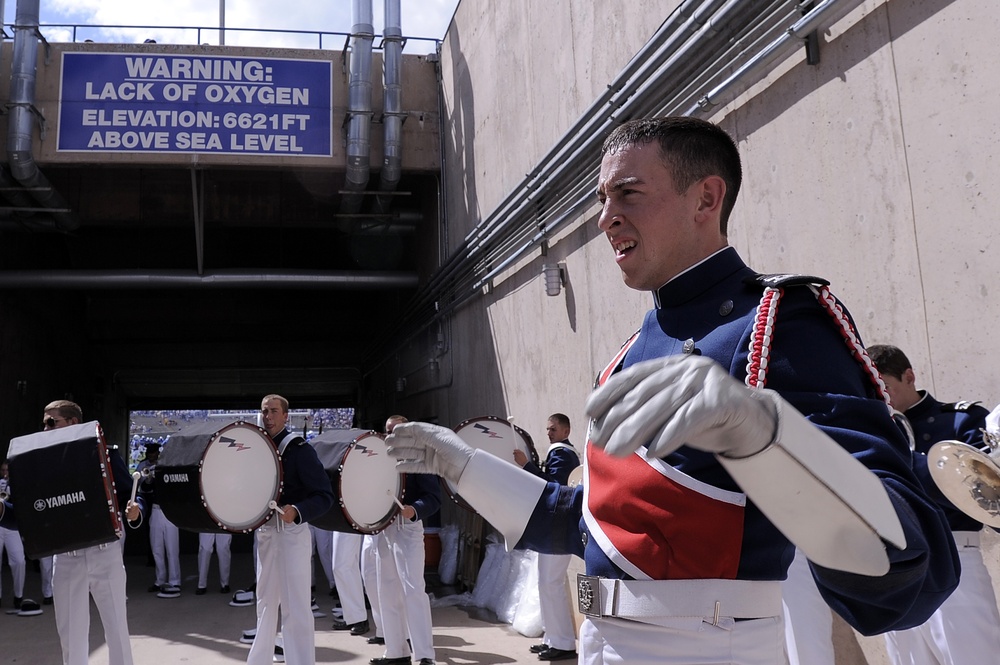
(502, 493)
(824, 500)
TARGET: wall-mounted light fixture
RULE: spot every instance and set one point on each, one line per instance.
(400, 384)
(555, 277)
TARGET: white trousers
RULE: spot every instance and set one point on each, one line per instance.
(689, 642)
(45, 563)
(404, 604)
(808, 619)
(323, 543)
(554, 601)
(965, 629)
(220, 542)
(99, 572)
(10, 540)
(283, 580)
(369, 575)
(347, 575)
(164, 538)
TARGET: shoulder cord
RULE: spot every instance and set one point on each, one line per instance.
(761, 337)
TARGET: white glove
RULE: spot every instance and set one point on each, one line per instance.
(426, 448)
(681, 401)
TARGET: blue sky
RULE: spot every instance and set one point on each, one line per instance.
(420, 18)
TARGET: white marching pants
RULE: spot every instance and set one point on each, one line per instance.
(808, 619)
(10, 540)
(554, 601)
(323, 542)
(283, 581)
(369, 575)
(347, 574)
(99, 572)
(403, 601)
(965, 629)
(164, 538)
(221, 543)
(45, 563)
(689, 641)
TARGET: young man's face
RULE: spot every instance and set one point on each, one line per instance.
(653, 229)
(52, 420)
(556, 432)
(273, 416)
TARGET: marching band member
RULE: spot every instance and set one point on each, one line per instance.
(723, 432)
(96, 571)
(284, 545)
(559, 640)
(967, 625)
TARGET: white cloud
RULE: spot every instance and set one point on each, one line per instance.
(419, 18)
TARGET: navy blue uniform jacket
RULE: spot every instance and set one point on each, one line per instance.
(711, 307)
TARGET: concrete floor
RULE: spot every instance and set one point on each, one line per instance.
(205, 630)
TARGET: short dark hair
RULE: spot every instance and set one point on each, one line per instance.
(560, 418)
(691, 149)
(66, 409)
(889, 360)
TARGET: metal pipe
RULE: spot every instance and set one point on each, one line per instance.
(219, 279)
(392, 116)
(790, 40)
(359, 107)
(21, 123)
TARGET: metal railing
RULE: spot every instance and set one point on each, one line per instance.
(212, 36)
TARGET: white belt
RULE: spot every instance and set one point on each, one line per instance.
(646, 601)
(966, 538)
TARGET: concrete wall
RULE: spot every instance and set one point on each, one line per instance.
(872, 169)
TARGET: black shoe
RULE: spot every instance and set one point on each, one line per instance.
(17, 602)
(427, 661)
(200, 591)
(376, 640)
(224, 588)
(154, 588)
(360, 628)
(538, 648)
(402, 660)
(557, 654)
(47, 600)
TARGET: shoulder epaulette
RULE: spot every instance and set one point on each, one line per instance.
(961, 405)
(781, 280)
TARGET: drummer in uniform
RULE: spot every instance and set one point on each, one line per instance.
(96, 571)
(284, 545)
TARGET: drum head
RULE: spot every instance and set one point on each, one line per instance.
(240, 477)
(369, 484)
(495, 436)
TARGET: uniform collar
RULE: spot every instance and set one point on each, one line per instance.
(923, 405)
(698, 278)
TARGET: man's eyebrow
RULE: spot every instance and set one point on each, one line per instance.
(618, 184)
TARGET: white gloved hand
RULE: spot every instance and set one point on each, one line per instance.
(681, 401)
(426, 448)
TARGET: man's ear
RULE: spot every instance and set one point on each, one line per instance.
(909, 378)
(711, 194)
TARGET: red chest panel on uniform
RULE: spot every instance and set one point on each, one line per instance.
(664, 523)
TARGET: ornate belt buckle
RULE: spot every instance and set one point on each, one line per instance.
(588, 595)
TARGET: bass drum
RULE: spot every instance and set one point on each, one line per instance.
(495, 436)
(363, 478)
(218, 480)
